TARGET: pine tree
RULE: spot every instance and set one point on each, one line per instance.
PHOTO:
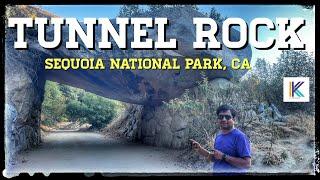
(130, 11)
(214, 14)
(155, 8)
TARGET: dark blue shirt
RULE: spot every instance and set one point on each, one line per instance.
(235, 144)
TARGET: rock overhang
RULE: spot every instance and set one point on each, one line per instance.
(147, 87)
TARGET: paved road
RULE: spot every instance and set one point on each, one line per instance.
(92, 152)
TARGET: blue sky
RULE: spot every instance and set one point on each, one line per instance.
(246, 12)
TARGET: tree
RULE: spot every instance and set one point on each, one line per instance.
(92, 109)
(308, 6)
(53, 106)
(293, 63)
(262, 74)
(268, 79)
(262, 69)
(100, 110)
(195, 7)
(75, 110)
(130, 11)
(68, 92)
(155, 8)
(214, 14)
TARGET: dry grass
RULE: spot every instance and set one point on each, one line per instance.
(272, 159)
(302, 122)
(269, 147)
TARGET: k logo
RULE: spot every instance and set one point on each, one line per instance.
(296, 89)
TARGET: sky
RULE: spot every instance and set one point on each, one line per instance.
(246, 12)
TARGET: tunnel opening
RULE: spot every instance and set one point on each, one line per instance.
(75, 127)
(67, 108)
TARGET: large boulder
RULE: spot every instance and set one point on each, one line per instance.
(143, 87)
(25, 78)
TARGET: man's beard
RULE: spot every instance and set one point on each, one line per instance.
(226, 127)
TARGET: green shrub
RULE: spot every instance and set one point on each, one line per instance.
(92, 109)
(63, 103)
(54, 104)
(64, 119)
(48, 122)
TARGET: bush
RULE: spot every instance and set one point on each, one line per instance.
(92, 109)
(48, 122)
(272, 159)
(54, 104)
(64, 119)
(63, 103)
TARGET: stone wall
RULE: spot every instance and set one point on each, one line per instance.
(158, 126)
(24, 89)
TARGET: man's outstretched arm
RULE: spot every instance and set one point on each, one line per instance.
(196, 146)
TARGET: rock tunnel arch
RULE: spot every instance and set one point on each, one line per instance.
(25, 76)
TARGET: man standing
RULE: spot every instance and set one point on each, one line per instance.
(231, 148)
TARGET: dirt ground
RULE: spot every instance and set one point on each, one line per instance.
(92, 152)
(72, 151)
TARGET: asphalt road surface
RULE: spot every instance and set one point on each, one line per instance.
(92, 152)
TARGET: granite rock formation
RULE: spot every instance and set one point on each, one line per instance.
(25, 77)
